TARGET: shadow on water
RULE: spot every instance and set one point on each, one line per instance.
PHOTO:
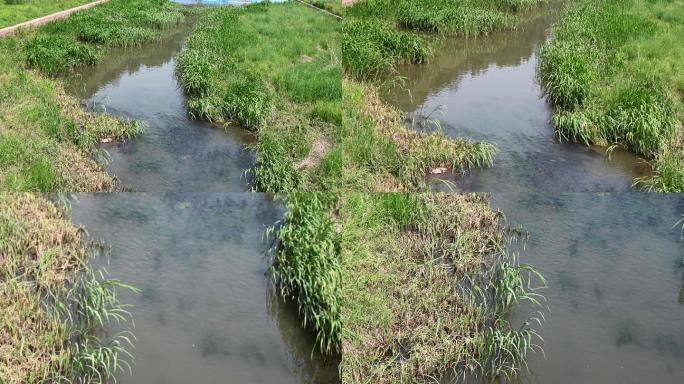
(175, 152)
(206, 312)
(488, 89)
(614, 266)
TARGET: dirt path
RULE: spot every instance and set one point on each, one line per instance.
(46, 19)
(347, 3)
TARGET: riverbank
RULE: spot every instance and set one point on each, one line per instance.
(308, 135)
(378, 35)
(49, 143)
(612, 73)
(402, 317)
(52, 305)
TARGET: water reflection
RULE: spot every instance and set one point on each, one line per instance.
(175, 152)
(613, 262)
(489, 91)
(206, 313)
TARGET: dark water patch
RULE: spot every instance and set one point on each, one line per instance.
(206, 312)
(175, 152)
(486, 89)
(614, 314)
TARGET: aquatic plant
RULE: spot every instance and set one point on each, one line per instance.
(53, 305)
(610, 77)
(306, 264)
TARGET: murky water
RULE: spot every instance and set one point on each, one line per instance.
(487, 90)
(206, 313)
(616, 279)
(175, 152)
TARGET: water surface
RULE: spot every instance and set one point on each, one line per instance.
(615, 275)
(206, 313)
(174, 152)
(486, 89)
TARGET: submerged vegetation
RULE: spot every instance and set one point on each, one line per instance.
(613, 71)
(47, 141)
(52, 303)
(409, 286)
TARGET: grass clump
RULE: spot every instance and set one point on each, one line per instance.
(428, 284)
(80, 39)
(52, 304)
(380, 34)
(306, 264)
(610, 71)
(399, 157)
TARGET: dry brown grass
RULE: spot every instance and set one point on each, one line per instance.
(40, 254)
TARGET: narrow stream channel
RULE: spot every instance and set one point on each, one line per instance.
(174, 153)
(614, 264)
(206, 313)
(487, 90)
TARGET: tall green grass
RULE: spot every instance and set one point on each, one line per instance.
(380, 34)
(306, 264)
(82, 38)
(610, 73)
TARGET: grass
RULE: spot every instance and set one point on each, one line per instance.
(611, 72)
(306, 264)
(17, 11)
(309, 136)
(428, 284)
(291, 98)
(408, 287)
(378, 35)
(82, 38)
(47, 141)
(53, 305)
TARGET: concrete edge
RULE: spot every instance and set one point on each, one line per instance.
(48, 18)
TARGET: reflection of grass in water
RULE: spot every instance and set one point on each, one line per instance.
(53, 304)
(51, 140)
(276, 77)
(610, 72)
(373, 45)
